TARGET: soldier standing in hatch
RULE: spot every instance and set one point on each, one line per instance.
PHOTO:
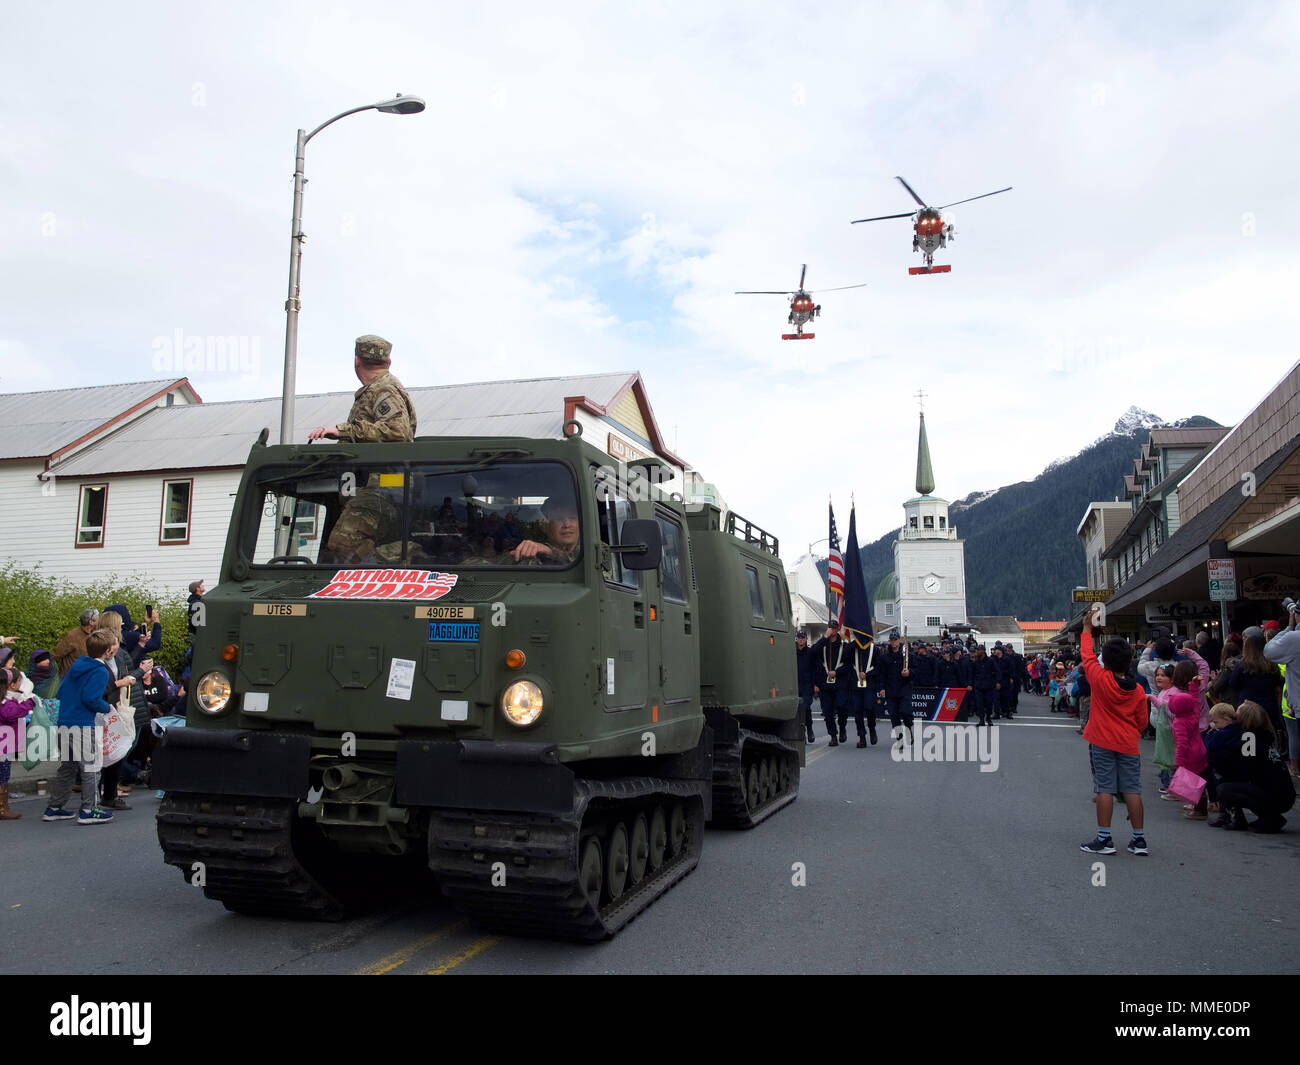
(381, 412)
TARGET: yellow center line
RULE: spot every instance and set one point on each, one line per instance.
(471, 951)
(401, 957)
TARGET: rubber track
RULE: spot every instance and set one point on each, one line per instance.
(542, 894)
(246, 849)
(730, 807)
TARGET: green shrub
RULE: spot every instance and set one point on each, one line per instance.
(39, 609)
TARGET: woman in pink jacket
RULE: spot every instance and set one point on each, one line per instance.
(1189, 749)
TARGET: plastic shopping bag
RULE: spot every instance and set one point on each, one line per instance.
(1186, 785)
(119, 731)
(41, 718)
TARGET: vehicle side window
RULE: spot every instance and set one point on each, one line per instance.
(755, 595)
(672, 572)
(614, 508)
(777, 609)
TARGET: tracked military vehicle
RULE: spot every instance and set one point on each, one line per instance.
(510, 659)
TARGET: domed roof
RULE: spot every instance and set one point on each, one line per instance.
(887, 589)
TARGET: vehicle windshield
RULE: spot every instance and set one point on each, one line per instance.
(424, 515)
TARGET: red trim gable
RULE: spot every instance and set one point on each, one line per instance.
(179, 382)
(573, 403)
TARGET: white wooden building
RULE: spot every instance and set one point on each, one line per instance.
(140, 479)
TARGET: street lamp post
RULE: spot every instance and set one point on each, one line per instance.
(398, 105)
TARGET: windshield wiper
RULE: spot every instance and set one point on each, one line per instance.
(486, 461)
(315, 464)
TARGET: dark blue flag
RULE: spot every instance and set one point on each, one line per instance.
(857, 625)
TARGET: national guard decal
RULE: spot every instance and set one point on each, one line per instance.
(387, 584)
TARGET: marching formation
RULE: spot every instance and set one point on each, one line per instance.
(870, 682)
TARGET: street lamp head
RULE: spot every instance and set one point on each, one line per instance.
(401, 105)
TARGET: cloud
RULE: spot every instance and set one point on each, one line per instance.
(588, 188)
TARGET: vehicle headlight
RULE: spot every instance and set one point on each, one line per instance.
(213, 692)
(522, 703)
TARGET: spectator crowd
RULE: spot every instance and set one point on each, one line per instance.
(101, 671)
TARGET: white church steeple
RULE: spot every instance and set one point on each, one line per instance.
(929, 559)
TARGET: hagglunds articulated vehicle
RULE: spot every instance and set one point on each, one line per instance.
(510, 659)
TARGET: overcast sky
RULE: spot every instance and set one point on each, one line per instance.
(587, 189)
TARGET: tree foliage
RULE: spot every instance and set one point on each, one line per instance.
(39, 608)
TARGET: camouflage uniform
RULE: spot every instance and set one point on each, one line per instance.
(559, 556)
(381, 411)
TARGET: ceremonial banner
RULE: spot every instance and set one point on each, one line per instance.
(856, 621)
(939, 704)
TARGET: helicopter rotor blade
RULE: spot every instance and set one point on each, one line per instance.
(803, 272)
(882, 217)
(841, 288)
(954, 204)
(763, 292)
(912, 191)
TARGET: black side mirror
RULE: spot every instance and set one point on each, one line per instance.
(642, 546)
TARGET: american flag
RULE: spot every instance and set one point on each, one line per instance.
(835, 572)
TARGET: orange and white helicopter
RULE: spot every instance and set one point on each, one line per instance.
(931, 232)
(802, 308)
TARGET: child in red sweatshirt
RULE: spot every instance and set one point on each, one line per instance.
(1115, 721)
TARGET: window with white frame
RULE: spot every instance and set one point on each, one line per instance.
(92, 510)
(933, 620)
(306, 518)
(174, 527)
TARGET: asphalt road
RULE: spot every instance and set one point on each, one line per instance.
(909, 868)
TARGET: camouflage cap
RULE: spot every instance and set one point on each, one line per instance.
(371, 348)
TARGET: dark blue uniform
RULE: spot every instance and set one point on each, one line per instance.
(1002, 697)
(864, 693)
(945, 673)
(984, 678)
(897, 688)
(804, 666)
(1016, 667)
(924, 670)
(833, 670)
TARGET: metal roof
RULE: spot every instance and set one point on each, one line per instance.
(1189, 546)
(993, 623)
(1199, 437)
(214, 435)
(813, 610)
(37, 424)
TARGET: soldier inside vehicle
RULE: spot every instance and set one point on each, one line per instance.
(516, 513)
